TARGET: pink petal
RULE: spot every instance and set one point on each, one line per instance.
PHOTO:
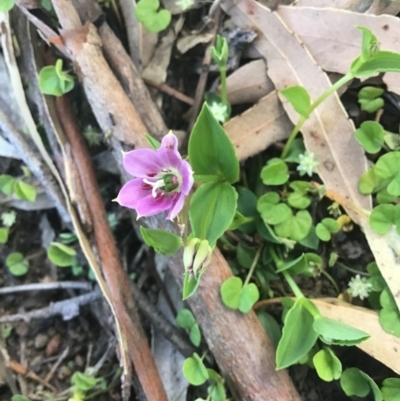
(132, 192)
(176, 207)
(142, 163)
(187, 177)
(150, 206)
(170, 141)
(170, 158)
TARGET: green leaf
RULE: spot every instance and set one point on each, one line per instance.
(392, 140)
(383, 196)
(300, 198)
(267, 201)
(333, 332)
(18, 397)
(17, 264)
(326, 228)
(370, 136)
(276, 214)
(353, 383)
(369, 181)
(83, 382)
(194, 370)
(54, 81)
(391, 389)
(4, 234)
(210, 150)
(7, 5)
(270, 326)
(212, 209)
(236, 296)
(7, 183)
(389, 316)
(383, 217)
(311, 240)
(247, 206)
(220, 51)
(383, 61)
(327, 365)
(217, 389)
(276, 172)
(152, 19)
(190, 285)
(296, 227)
(195, 335)
(162, 241)
(245, 255)
(369, 99)
(25, 191)
(153, 142)
(298, 336)
(296, 149)
(61, 255)
(370, 92)
(299, 98)
(185, 319)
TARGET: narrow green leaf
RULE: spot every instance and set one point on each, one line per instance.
(7, 183)
(210, 150)
(190, 285)
(162, 241)
(195, 335)
(384, 61)
(212, 209)
(298, 336)
(185, 319)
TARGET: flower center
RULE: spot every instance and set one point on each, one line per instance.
(168, 181)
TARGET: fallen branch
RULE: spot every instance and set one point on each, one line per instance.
(62, 285)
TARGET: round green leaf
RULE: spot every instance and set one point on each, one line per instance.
(370, 136)
(6, 5)
(353, 383)
(369, 181)
(276, 172)
(162, 241)
(185, 319)
(299, 200)
(195, 335)
(276, 214)
(295, 227)
(194, 370)
(61, 255)
(388, 165)
(231, 291)
(327, 365)
(334, 332)
(212, 209)
(18, 397)
(153, 20)
(322, 232)
(248, 297)
(382, 218)
(267, 201)
(390, 321)
(17, 264)
(391, 389)
(299, 98)
(298, 336)
(210, 150)
(371, 106)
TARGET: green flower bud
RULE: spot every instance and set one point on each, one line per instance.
(196, 256)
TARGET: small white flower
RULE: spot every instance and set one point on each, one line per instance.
(184, 4)
(308, 163)
(359, 287)
(219, 111)
(8, 218)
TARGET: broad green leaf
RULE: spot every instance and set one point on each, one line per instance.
(388, 165)
(369, 181)
(212, 209)
(353, 383)
(4, 234)
(298, 336)
(153, 19)
(61, 255)
(25, 191)
(210, 150)
(194, 370)
(185, 319)
(296, 227)
(162, 241)
(17, 264)
(53, 81)
(391, 389)
(83, 382)
(382, 218)
(6, 5)
(299, 98)
(7, 183)
(389, 316)
(276, 214)
(327, 365)
(370, 136)
(333, 332)
(18, 397)
(276, 172)
(236, 296)
(383, 61)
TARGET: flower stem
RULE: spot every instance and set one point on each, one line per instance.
(343, 266)
(348, 77)
(331, 280)
(253, 266)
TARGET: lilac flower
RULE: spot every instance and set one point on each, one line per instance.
(162, 180)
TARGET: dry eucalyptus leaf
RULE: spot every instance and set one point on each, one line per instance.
(259, 127)
(381, 345)
(248, 84)
(334, 41)
(186, 43)
(328, 133)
